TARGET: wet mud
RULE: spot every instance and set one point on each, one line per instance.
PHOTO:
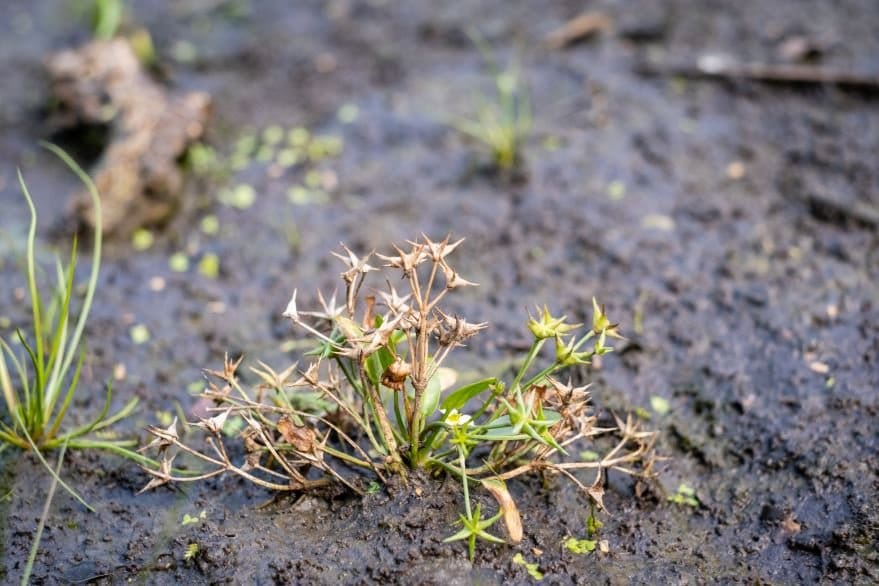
(696, 209)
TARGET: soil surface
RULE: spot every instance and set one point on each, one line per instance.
(712, 217)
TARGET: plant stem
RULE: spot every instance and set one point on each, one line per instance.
(532, 354)
(463, 460)
(32, 556)
(382, 416)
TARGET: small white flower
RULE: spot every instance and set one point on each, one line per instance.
(455, 418)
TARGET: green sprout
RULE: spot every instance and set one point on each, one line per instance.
(190, 552)
(502, 122)
(374, 398)
(532, 568)
(38, 389)
(592, 523)
(190, 520)
(475, 527)
(579, 546)
(685, 496)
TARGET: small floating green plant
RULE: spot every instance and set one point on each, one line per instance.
(376, 399)
(38, 386)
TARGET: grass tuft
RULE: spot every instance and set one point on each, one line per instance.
(503, 120)
(38, 386)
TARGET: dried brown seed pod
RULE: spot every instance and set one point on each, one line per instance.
(301, 437)
(394, 376)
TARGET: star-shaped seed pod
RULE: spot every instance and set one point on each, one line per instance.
(566, 354)
(454, 330)
(161, 476)
(453, 279)
(438, 251)
(230, 367)
(394, 302)
(215, 424)
(356, 266)
(164, 438)
(546, 326)
(601, 323)
(329, 310)
(369, 342)
(272, 379)
(406, 261)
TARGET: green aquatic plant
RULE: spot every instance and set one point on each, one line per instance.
(377, 397)
(38, 386)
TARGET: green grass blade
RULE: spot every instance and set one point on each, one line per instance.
(10, 436)
(115, 447)
(68, 397)
(127, 410)
(84, 429)
(73, 343)
(9, 394)
(33, 404)
(59, 339)
(108, 17)
(36, 301)
(63, 484)
(25, 384)
(35, 546)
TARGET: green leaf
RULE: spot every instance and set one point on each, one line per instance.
(377, 363)
(461, 396)
(108, 16)
(430, 401)
(574, 545)
(374, 369)
(349, 327)
(532, 569)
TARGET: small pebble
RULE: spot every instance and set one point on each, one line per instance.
(735, 170)
(157, 283)
(819, 367)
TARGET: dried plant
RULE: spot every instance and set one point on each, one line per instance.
(372, 399)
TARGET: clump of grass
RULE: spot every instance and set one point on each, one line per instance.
(38, 387)
(383, 374)
(503, 120)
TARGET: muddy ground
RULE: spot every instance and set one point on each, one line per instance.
(750, 301)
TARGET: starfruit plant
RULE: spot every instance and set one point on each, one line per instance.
(379, 368)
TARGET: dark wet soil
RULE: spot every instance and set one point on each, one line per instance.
(698, 210)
